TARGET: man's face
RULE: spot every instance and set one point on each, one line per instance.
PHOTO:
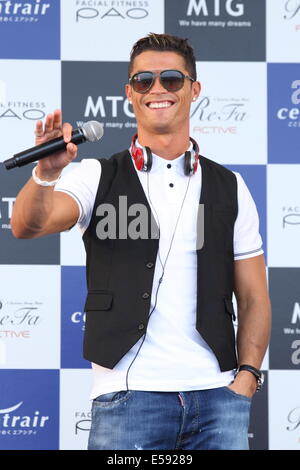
(160, 111)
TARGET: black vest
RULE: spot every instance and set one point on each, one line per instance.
(120, 270)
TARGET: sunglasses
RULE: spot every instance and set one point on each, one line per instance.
(171, 80)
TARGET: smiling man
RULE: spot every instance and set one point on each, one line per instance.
(168, 370)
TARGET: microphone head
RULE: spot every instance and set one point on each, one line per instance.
(92, 130)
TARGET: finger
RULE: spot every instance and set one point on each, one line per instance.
(57, 119)
(49, 123)
(39, 131)
(67, 131)
(72, 150)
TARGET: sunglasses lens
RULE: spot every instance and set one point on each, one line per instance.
(142, 82)
(172, 80)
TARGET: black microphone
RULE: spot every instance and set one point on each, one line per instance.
(90, 131)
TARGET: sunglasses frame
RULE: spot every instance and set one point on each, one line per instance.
(158, 74)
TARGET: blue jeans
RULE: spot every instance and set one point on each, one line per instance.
(196, 420)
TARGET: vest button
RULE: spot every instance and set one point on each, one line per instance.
(141, 326)
(149, 265)
(146, 295)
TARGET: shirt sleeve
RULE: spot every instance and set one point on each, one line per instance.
(82, 184)
(247, 239)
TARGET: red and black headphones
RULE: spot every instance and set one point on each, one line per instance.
(142, 157)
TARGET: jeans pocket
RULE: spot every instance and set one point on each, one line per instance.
(112, 398)
(236, 394)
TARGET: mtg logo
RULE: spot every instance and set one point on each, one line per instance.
(291, 8)
(291, 115)
(114, 110)
(107, 106)
(294, 331)
(6, 207)
(291, 216)
(215, 8)
(97, 10)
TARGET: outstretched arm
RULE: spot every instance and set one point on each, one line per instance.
(40, 210)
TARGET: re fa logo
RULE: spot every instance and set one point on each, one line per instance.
(202, 6)
(292, 7)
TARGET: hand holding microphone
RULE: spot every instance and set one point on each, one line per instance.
(58, 139)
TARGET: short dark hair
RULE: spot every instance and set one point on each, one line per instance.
(162, 43)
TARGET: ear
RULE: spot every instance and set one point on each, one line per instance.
(128, 92)
(196, 90)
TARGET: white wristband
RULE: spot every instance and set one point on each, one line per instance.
(40, 182)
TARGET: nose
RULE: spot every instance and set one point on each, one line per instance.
(157, 86)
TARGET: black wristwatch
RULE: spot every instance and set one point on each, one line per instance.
(257, 373)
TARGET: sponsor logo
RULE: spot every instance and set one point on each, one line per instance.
(95, 10)
(214, 7)
(294, 330)
(285, 340)
(284, 112)
(6, 207)
(219, 115)
(291, 9)
(23, 11)
(205, 10)
(18, 319)
(82, 421)
(290, 115)
(29, 110)
(291, 216)
(109, 107)
(293, 419)
(79, 319)
(295, 319)
(12, 423)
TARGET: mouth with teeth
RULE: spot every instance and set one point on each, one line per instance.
(159, 104)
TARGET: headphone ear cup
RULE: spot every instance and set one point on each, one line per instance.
(148, 164)
(139, 159)
(142, 156)
(188, 170)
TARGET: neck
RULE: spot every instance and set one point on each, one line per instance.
(167, 146)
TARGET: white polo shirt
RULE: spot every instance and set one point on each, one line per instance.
(173, 356)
